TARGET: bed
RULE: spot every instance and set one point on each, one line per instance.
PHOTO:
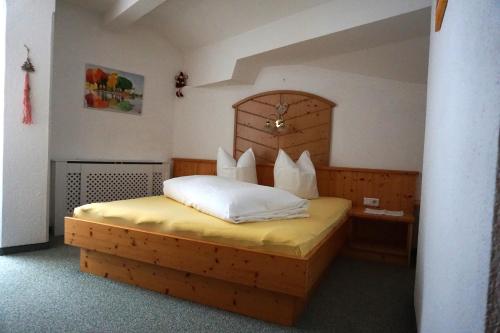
(264, 277)
(253, 276)
(162, 215)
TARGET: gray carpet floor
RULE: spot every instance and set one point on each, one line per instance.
(44, 291)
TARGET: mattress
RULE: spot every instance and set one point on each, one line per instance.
(295, 237)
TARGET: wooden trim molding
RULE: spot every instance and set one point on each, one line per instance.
(24, 248)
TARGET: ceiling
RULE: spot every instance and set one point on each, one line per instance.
(383, 48)
(190, 24)
(395, 48)
(99, 6)
(401, 61)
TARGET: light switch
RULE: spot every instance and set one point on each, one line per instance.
(372, 202)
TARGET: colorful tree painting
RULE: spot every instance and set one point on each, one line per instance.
(113, 90)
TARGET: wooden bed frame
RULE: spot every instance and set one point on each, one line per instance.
(267, 286)
(263, 285)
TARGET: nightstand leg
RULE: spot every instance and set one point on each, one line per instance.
(349, 231)
(409, 242)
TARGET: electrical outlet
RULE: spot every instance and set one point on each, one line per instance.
(372, 202)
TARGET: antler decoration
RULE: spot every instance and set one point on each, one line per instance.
(278, 125)
(281, 109)
(28, 68)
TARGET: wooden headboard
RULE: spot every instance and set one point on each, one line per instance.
(395, 189)
(309, 115)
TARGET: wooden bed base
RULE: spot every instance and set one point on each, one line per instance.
(267, 286)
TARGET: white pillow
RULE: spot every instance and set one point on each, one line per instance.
(244, 170)
(297, 178)
(235, 201)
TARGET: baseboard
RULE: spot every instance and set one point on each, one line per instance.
(24, 248)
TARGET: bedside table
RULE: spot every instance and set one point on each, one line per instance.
(380, 237)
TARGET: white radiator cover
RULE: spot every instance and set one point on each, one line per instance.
(78, 183)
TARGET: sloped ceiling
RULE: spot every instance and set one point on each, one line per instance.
(394, 48)
(401, 61)
(99, 6)
(190, 24)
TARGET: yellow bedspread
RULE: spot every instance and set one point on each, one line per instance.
(291, 237)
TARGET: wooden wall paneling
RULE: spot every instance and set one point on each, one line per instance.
(185, 168)
(358, 186)
(384, 188)
(346, 184)
(396, 188)
(363, 187)
(339, 184)
(265, 175)
(408, 193)
(378, 187)
(323, 179)
(206, 169)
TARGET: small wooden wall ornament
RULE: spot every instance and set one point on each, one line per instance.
(28, 68)
(180, 82)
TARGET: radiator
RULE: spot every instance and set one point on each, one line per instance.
(77, 183)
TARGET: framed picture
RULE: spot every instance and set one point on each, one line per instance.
(113, 90)
(440, 10)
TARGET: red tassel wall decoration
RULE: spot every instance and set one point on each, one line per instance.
(26, 101)
(27, 67)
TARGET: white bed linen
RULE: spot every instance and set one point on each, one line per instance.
(235, 201)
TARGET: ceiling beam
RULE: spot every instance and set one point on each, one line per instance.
(126, 12)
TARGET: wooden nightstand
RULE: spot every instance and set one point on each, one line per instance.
(380, 237)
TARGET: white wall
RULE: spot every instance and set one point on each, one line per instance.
(79, 133)
(3, 18)
(458, 186)
(377, 123)
(26, 148)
